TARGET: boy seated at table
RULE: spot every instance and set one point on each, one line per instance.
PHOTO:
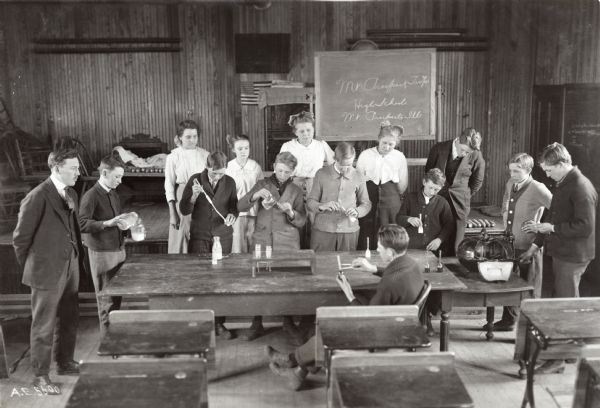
(401, 284)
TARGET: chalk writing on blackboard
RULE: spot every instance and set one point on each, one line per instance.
(357, 91)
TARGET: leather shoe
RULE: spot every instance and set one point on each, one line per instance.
(500, 326)
(295, 333)
(551, 367)
(223, 332)
(295, 376)
(43, 383)
(256, 330)
(68, 368)
(281, 359)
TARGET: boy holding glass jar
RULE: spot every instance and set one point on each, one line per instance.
(338, 197)
(101, 224)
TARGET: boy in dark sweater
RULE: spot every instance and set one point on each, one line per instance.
(99, 220)
(401, 283)
(427, 216)
(211, 198)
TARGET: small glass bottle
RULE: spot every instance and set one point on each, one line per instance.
(426, 270)
(257, 251)
(440, 265)
(420, 230)
(217, 251)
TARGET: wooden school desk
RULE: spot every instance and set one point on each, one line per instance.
(192, 282)
(587, 385)
(562, 326)
(141, 383)
(370, 327)
(396, 380)
(159, 332)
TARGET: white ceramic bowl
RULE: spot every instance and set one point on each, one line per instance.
(494, 271)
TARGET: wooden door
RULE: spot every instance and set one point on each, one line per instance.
(547, 123)
(277, 130)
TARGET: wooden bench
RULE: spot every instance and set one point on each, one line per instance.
(399, 380)
(164, 383)
(368, 327)
(160, 332)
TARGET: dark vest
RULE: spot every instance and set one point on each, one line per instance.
(70, 214)
(452, 168)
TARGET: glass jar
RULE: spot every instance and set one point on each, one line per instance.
(138, 232)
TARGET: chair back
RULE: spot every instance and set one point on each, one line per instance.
(420, 302)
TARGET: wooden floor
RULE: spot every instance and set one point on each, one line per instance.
(242, 377)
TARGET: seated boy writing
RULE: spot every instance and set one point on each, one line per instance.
(401, 283)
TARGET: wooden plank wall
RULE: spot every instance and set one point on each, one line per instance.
(104, 97)
(568, 43)
(101, 98)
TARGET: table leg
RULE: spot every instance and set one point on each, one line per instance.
(530, 360)
(490, 322)
(444, 331)
(447, 302)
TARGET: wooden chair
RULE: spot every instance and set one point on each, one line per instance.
(588, 378)
(27, 156)
(160, 332)
(415, 380)
(368, 327)
(420, 302)
(165, 383)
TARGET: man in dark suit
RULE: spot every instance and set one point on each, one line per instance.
(462, 163)
(47, 244)
(101, 223)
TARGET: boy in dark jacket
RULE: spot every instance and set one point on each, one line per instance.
(211, 198)
(99, 220)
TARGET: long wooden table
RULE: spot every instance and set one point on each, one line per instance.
(192, 282)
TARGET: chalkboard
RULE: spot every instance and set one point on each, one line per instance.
(356, 91)
(582, 128)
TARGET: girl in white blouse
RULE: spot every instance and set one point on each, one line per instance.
(386, 171)
(184, 161)
(311, 154)
(246, 172)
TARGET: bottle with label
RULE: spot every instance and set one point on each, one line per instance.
(217, 251)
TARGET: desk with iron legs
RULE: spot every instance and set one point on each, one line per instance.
(559, 328)
(192, 282)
